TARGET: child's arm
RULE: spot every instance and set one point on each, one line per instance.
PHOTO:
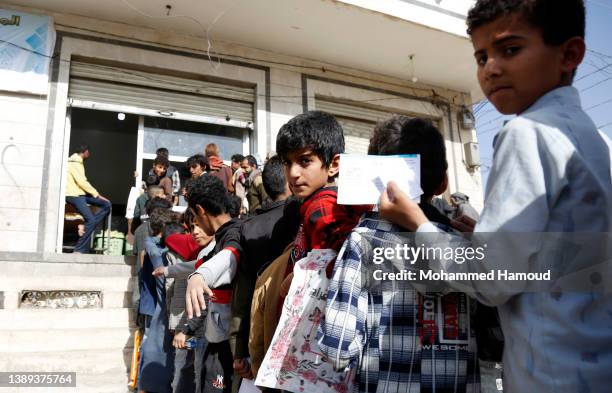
(154, 251)
(217, 271)
(523, 181)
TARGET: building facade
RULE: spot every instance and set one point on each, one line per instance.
(233, 80)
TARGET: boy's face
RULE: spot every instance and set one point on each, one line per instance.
(196, 170)
(306, 173)
(235, 165)
(159, 170)
(515, 66)
(202, 220)
(199, 236)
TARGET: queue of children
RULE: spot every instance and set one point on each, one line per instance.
(213, 281)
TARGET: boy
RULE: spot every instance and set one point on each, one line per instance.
(209, 201)
(395, 312)
(310, 145)
(172, 173)
(263, 238)
(160, 166)
(551, 173)
(197, 165)
(156, 360)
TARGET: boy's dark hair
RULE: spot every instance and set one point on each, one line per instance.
(187, 219)
(159, 218)
(171, 228)
(315, 130)
(151, 180)
(237, 158)
(197, 159)
(273, 177)
(402, 135)
(81, 149)
(559, 20)
(162, 151)
(157, 203)
(210, 193)
(161, 160)
(234, 205)
(252, 160)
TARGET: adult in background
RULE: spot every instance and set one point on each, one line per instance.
(240, 182)
(256, 194)
(217, 168)
(80, 194)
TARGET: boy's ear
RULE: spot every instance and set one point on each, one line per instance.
(199, 211)
(573, 53)
(334, 166)
(443, 186)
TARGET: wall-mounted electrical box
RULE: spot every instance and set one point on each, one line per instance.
(472, 154)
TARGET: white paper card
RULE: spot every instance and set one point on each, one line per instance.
(362, 178)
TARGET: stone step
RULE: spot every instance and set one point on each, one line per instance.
(57, 268)
(43, 319)
(109, 382)
(82, 362)
(52, 340)
(55, 282)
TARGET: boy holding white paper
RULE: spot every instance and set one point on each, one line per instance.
(395, 338)
(310, 145)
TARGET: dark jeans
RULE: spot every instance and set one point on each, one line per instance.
(91, 220)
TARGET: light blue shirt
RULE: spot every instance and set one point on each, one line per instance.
(551, 173)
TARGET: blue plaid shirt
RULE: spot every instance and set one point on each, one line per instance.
(389, 332)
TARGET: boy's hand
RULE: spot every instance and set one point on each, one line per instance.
(194, 296)
(159, 271)
(179, 340)
(285, 285)
(242, 367)
(397, 207)
(463, 224)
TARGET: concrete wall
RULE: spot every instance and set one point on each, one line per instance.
(285, 86)
(23, 121)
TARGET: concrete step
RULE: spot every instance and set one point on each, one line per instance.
(81, 283)
(42, 268)
(82, 362)
(53, 340)
(43, 319)
(110, 382)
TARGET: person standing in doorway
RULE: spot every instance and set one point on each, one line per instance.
(81, 194)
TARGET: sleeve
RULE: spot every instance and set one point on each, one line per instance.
(521, 184)
(256, 333)
(341, 334)
(154, 252)
(241, 309)
(220, 269)
(80, 179)
(166, 184)
(182, 269)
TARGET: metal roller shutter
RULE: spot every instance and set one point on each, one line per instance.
(358, 122)
(162, 93)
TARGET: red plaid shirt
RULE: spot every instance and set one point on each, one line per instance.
(325, 224)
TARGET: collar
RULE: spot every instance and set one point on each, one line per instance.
(267, 206)
(222, 230)
(561, 96)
